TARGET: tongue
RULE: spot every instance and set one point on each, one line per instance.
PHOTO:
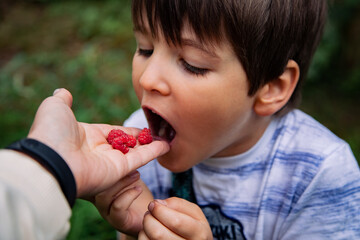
(166, 131)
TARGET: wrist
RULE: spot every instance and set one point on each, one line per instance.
(50, 160)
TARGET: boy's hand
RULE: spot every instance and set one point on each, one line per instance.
(175, 218)
(124, 204)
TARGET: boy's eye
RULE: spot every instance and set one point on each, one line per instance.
(193, 70)
(145, 52)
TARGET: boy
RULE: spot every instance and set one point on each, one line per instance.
(219, 81)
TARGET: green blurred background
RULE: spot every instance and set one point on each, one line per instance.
(86, 46)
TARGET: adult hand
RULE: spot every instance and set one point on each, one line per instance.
(94, 163)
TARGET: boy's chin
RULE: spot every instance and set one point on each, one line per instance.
(174, 165)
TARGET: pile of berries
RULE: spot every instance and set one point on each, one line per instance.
(123, 141)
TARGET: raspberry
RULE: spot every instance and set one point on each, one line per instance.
(121, 140)
(145, 136)
(131, 141)
(114, 134)
(118, 144)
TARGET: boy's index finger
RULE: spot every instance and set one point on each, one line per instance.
(178, 219)
(185, 207)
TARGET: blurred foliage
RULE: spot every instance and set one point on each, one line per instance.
(331, 91)
(86, 46)
(87, 224)
(337, 61)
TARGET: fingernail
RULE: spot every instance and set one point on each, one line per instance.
(151, 206)
(162, 202)
(134, 174)
(56, 91)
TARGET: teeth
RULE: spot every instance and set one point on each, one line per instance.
(159, 126)
(162, 132)
(162, 129)
(171, 134)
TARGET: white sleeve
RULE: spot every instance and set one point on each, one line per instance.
(32, 203)
(136, 119)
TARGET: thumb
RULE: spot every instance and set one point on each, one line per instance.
(64, 95)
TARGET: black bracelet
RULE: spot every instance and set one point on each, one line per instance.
(52, 161)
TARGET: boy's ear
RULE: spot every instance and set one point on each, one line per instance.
(275, 94)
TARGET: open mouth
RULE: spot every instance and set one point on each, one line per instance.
(160, 128)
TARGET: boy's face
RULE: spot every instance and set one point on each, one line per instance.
(195, 97)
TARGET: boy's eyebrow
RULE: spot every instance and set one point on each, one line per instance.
(185, 42)
(194, 44)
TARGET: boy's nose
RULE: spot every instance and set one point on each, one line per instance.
(154, 77)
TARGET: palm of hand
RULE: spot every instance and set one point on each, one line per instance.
(94, 163)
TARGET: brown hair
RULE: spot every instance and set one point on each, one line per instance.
(264, 34)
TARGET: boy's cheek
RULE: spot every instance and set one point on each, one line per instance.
(137, 90)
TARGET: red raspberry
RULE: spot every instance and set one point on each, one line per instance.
(121, 140)
(131, 141)
(145, 136)
(118, 144)
(114, 134)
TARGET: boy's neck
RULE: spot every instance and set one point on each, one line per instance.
(253, 134)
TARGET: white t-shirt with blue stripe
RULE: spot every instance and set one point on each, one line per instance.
(299, 181)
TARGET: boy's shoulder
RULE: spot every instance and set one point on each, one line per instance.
(299, 132)
(310, 150)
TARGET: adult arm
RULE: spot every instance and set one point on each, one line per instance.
(32, 203)
(30, 195)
